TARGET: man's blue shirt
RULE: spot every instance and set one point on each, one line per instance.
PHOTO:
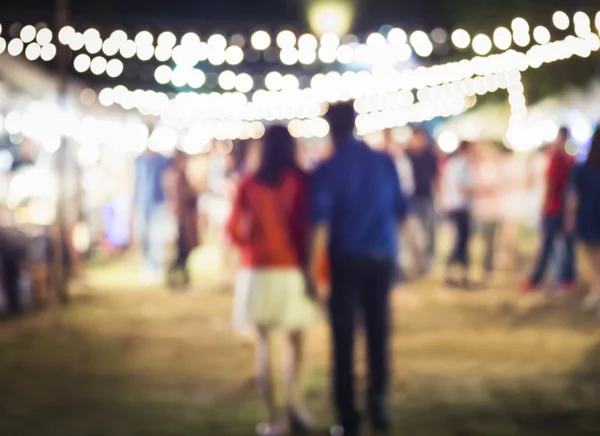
(357, 193)
(149, 173)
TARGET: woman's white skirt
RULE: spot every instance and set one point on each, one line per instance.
(272, 298)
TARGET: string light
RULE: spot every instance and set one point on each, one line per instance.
(44, 36)
(397, 36)
(15, 47)
(421, 43)
(167, 39)
(128, 49)
(234, 55)
(65, 35)
(482, 44)
(289, 56)
(541, 35)
(461, 38)
(260, 40)
(33, 51)
(286, 39)
(196, 79)
(502, 38)
(82, 63)
(561, 20)
(114, 68)
(308, 42)
(163, 74)
(98, 65)
(27, 34)
(227, 80)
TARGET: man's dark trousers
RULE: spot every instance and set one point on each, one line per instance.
(360, 288)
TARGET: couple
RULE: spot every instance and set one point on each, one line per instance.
(284, 225)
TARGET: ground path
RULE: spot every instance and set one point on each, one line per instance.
(125, 361)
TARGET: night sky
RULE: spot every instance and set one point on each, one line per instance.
(231, 15)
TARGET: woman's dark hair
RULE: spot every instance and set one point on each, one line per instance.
(594, 154)
(278, 155)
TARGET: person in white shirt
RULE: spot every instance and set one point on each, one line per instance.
(487, 206)
(459, 185)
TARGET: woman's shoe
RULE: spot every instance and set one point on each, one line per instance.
(272, 429)
(300, 421)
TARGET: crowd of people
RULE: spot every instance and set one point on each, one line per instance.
(340, 237)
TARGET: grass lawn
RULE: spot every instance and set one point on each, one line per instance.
(126, 361)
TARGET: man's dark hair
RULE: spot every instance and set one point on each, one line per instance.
(341, 119)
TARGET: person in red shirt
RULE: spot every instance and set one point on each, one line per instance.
(557, 181)
(269, 224)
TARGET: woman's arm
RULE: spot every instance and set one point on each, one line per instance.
(236, 227)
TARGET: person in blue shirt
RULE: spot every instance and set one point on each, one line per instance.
(149, 201)
(357, 207)
(582, 216)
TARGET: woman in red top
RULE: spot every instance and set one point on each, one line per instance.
(269, 224)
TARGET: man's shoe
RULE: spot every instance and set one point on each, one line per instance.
(379, 416)
(338, 430)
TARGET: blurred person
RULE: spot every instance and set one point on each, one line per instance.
(487, 206)
(183, 201)
(512, 198)
(557, 178)
(269, 223)
(459, 192)
(149, 211)
(425, 171)
(582, 216)
(410, 251)
(535, 182)
(357, 206)
(25, 156)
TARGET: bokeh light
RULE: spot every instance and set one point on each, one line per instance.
(502, 38)
(561, 20)
(15, 47)
(461, 38)
(448, 142)
(482, 44)
(44, 36)
(260, 40)
(27, 34)
(82, 63)
(421, 43)
(541, 35)
(286, 39)
(330, 16)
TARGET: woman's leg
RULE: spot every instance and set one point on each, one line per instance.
(294, 394)
(454, 256)
(265, 378)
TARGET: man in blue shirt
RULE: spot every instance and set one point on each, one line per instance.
(149, 199)
(357, 207)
